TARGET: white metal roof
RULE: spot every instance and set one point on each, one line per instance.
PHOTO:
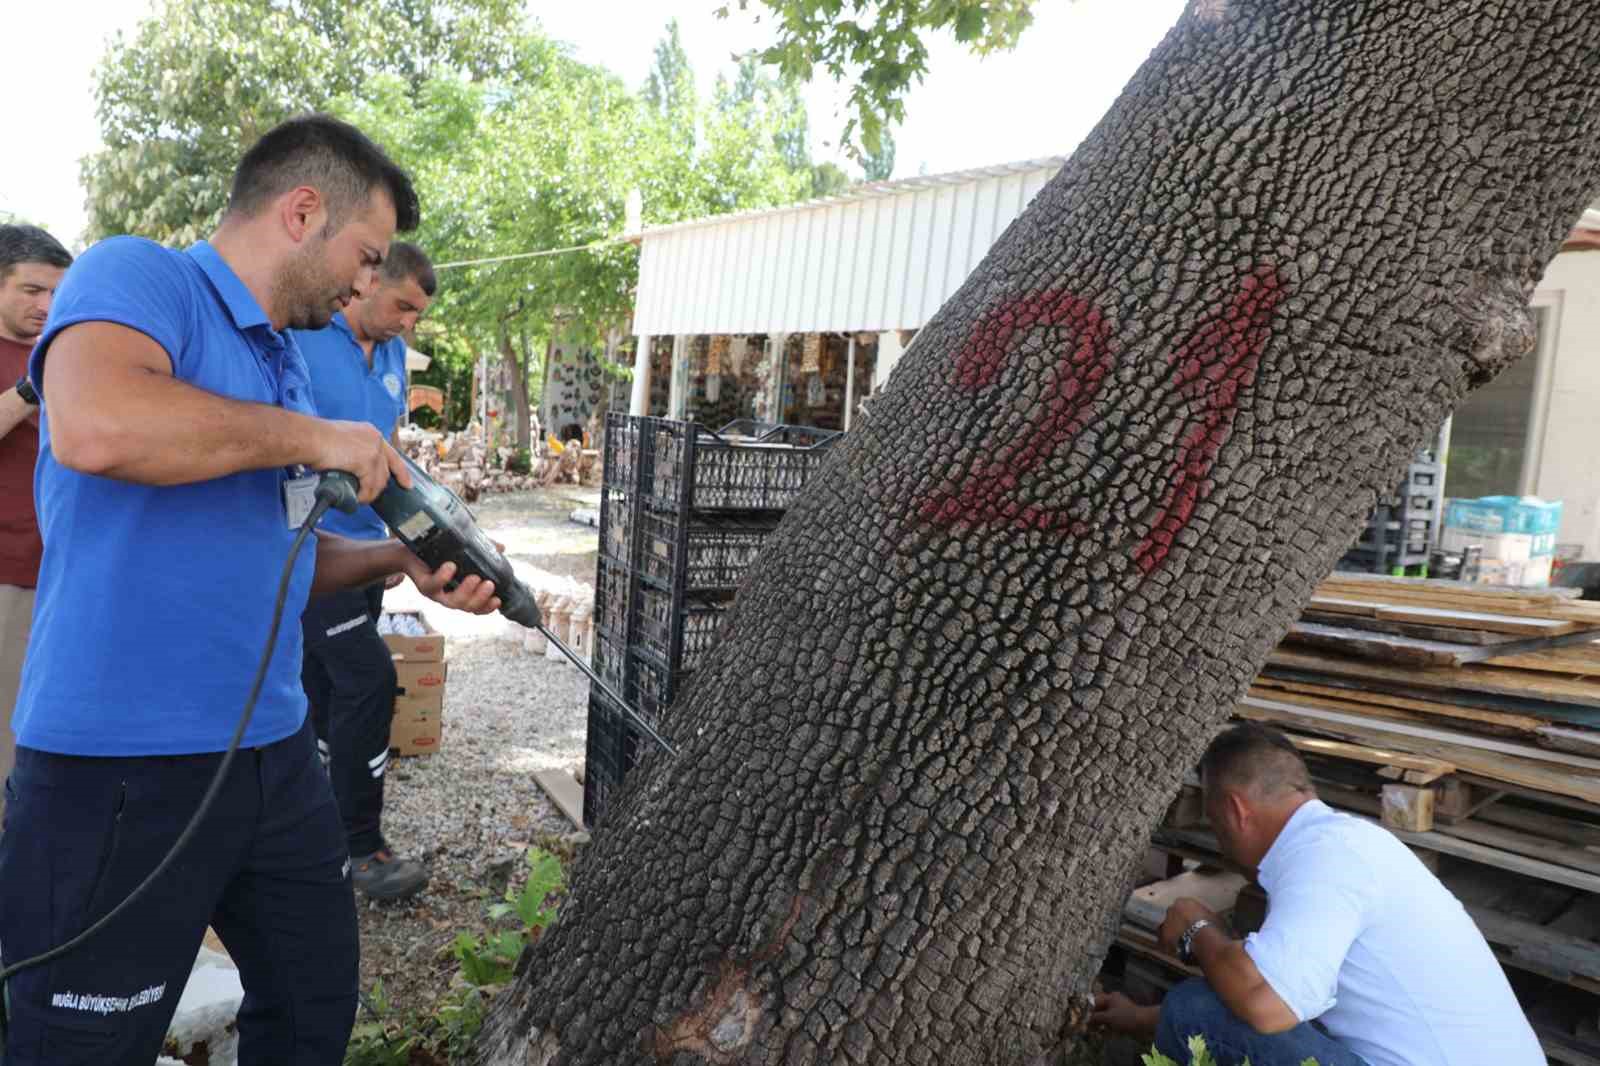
(880, 256)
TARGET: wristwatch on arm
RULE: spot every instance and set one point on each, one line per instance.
(1186, 941)
(25, 390)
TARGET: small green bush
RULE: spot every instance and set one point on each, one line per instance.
(1199, 1055)
(486, 961)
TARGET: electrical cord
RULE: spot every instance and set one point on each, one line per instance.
(323, 502)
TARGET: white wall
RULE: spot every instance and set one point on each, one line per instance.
(1569, 467)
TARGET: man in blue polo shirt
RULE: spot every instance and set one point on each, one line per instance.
(358, 374)
(177, 422)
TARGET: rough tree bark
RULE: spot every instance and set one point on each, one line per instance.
(958, 691)
(516, 364)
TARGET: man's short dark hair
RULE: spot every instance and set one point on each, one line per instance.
(30, 244)
(406, 260)
(333, 157)
(1254, 758)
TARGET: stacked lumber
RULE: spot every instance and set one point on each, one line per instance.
(1465, 719)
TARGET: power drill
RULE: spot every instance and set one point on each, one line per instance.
(436, 526)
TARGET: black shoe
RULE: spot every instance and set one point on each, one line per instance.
(384, 875)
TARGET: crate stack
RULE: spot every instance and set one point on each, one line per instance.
(1404, 526)
(684, 511)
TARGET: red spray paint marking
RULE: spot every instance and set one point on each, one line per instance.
(1214, 366)
(989, 494)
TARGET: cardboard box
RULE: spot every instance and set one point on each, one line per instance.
(417, 728)
(418, 724)
(1505, 547)
(427, 649)
(1534, 573)
(421, 682)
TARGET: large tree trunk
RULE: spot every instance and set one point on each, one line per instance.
(957, 692)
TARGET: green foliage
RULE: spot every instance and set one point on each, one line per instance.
(199, 80)
(387, 1037)
(879, 47)
(879, 165)
(1199, 1055)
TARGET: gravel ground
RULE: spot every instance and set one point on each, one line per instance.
(471, 810)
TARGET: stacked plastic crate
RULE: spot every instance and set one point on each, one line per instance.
(685, 510)
(1403, 528)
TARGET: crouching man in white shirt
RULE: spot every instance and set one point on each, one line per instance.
(1365, 958)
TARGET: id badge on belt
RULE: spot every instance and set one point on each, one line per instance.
(299, 496)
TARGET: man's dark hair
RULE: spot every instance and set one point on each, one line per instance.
(1254, 758)
(333, 157)
(30, 244)
(406, 260)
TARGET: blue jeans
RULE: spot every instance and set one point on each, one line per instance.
(1191, 1009)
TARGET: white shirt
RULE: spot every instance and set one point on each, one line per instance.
(1360, 936)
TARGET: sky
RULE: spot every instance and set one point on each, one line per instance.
(1039, 100)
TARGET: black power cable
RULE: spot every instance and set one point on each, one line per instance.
(327, 496)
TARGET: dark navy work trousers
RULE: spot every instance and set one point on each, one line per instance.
(268, 870)
(349, 679)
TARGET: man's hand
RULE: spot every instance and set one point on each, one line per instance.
(359, 449)
(474, 595)
(1117, 1013)
(1183, 913)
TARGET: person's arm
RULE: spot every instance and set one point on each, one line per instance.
(1228, 968)
(116, 411)
(1119, 1014)
(346, 563)
(14, 410)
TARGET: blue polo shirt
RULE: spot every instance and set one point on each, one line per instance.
(154, 602)
(347, 389)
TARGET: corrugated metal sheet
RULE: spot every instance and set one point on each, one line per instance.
(883, 256)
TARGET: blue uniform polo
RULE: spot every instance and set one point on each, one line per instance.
(154, 602)
(345, 388)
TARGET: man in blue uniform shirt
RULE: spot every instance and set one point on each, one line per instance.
(177, 412)
(358, 374)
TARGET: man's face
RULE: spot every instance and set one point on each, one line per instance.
(333, 268)
(392, 310)
(25, 295)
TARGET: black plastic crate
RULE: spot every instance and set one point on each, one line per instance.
(620, 455)
(610, 660)
(612, 747)
(652, 685)
(618, 518)
(613, 598)
(692, 468)
(707, 554)
(677, 632)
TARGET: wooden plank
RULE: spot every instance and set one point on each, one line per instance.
(1204, 842)
(1218, 890)
(1520, 843)
(1563, 956)
(1146, 946)
(1443, 634)
(564, 792)
(1428, 769)
(1407, 807)
(1554, 799)
(1360, 700)
(1473, 678)
(1569, 831)
(1382, 647)
(1581, 659)
(1493, 623)
(1385, 732)
(1365, 687)
(1495, 767)
(1504, 860)
(1387, 584)
(1446, 617)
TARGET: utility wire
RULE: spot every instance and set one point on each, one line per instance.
(591, 246)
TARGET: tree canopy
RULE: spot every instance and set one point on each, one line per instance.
(880, 48)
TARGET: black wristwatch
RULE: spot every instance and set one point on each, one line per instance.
(25, 390)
